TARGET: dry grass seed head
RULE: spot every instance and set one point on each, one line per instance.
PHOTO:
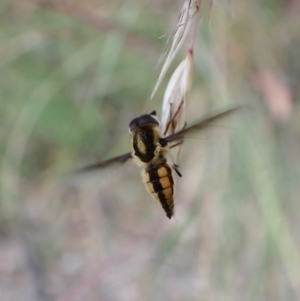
(176, 96)
(188, 10)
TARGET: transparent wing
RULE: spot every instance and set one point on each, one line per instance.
(99, 173)
(105, 164)
(199, 126)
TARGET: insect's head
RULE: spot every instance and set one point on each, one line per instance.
(144, 120)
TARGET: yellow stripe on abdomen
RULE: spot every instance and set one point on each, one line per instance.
(159, 182)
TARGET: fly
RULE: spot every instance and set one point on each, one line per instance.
(148, 151)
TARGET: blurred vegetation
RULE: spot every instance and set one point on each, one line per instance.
(72, 77)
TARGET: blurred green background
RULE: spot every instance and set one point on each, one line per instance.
(73, 75)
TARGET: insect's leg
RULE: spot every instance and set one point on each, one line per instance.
(175, 167)
(178, 151)
(163, 142)
(178, 110)
(174, 145)
(170, 121)
(178, 154)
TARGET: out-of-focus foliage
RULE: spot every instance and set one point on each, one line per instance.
(73, 74)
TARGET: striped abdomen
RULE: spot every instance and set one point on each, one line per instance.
(159, 181)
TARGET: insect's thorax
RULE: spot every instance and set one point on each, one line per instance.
(145, 144)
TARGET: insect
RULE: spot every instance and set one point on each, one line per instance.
(148, 151)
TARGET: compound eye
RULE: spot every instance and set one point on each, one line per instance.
(142, 120)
